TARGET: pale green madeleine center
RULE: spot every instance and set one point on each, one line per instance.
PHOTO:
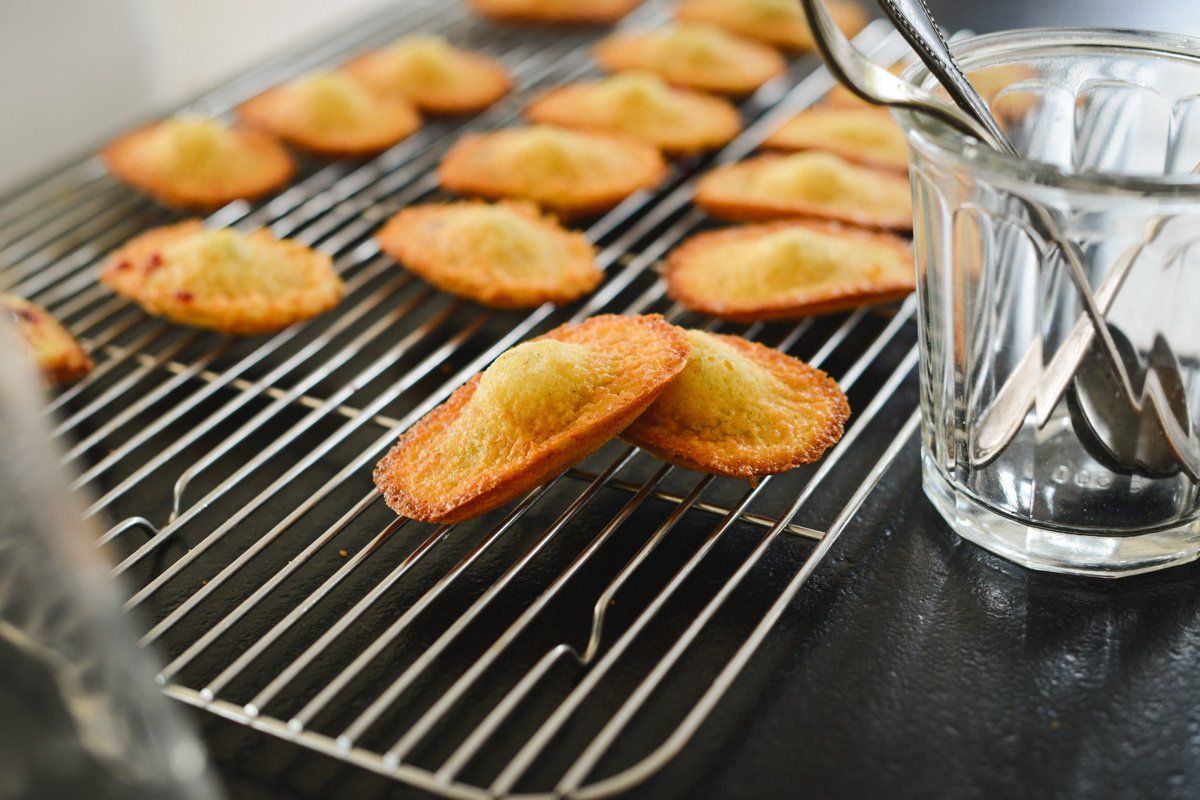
(638, 100)
(331, 100)
(697, 45)
(714, 392)
(787, 261)
(426, 58)
(197, 148)
(224, 262)
(500, 238)
(528, 394)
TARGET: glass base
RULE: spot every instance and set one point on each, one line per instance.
(1050, 550)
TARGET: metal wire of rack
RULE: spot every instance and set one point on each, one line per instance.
(285, 595)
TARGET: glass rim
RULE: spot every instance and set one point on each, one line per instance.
(994, 49)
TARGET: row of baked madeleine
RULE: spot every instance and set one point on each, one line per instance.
(376, 100)
(510, 254)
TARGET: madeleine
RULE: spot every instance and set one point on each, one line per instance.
(819, 185)
(573, 173)
(778, 22)
(786, 270)
(236, 283)
(506, 255)
(53, 349)
(539, 408)
(702, 57)
(863, 136)
(436, 76)
(643, 106)
(742, 409)
(196, 163)
(332, 114)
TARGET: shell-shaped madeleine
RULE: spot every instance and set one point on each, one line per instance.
(644, 106)
(863, 136)
(571, 172)
(742, 409)
(778, 22)
(438, 77)
(539, 408)
(556, 12)
(694, 56)
(819, 185)
(51, 346)
(232, 282)
(197, 163)
(506, 255)
(784, 270)
(332, 114)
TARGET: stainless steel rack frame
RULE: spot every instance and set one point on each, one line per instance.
(509, 655)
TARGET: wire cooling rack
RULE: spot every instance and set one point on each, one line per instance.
(570, 644)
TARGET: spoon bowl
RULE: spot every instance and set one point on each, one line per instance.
(1131, 443)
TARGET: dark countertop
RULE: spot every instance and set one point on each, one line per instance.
(917, 665)
(914, 665)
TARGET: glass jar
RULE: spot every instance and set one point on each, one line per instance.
(1031, 446)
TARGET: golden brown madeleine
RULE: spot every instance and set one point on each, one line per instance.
(644, 106)
(332, 114)
(784, 270)
(506, 255)
(702, 57)
(438, 77)
(864, 136)
(819, 185)
(556, 12)
(221, 279)
(197, 163)
(778, 22)
(742, 409)
(52, 347)
(574, 173)
(539, 408)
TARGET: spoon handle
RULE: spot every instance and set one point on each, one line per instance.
(915, 23)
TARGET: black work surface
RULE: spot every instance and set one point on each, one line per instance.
(914, 665)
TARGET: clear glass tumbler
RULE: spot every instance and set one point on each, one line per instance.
(1032, 447)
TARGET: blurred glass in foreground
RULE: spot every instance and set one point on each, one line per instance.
(80, 713)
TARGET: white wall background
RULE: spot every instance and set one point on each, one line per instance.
(76, 72)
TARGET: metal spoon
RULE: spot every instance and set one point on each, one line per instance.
(1030, 385)
(971, 115)
(1099, 414)
(877, 85)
